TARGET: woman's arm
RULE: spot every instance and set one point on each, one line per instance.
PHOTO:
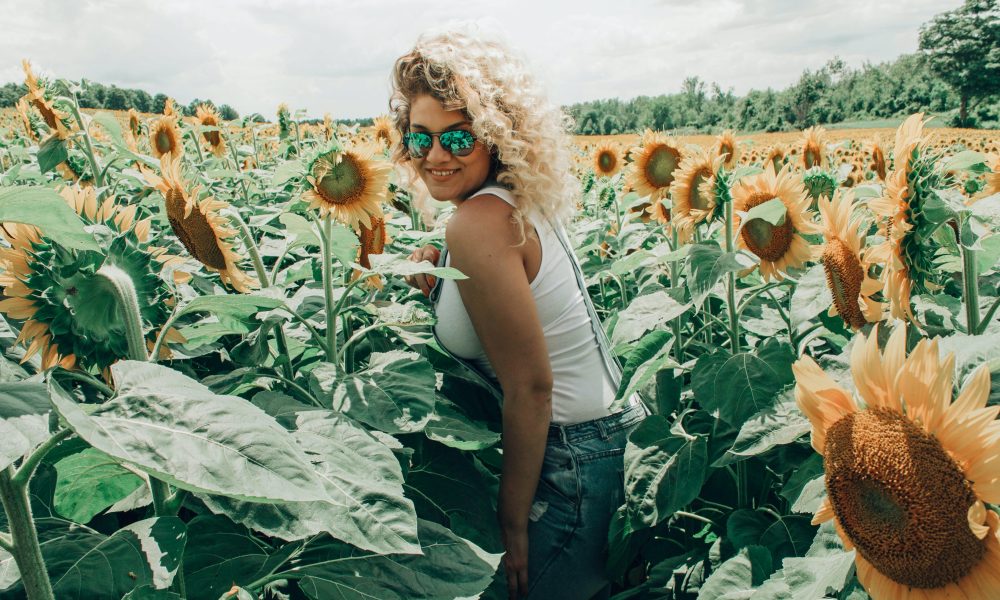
(502, 309)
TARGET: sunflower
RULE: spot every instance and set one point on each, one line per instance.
(776, 156)
(845, 266)
(168, 108)
(28, 120)
(373, 241)
(908, 470)
(907, 253)
(165, 138)
(71, 316)
(660, 210)
(607, 159)
(691, 192)
(779, 247)
(134, 122)
(819, 184)
(349, 184)
(208, 117)
(199, 225)
(813, 154)
(878, 160)
(284, 121)
(327, 127)
(36, 96)
(655, 161)
(383, 131)
(726, 148)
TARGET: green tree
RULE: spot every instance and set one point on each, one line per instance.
(963, 46)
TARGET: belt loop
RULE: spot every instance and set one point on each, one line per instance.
(562, 435)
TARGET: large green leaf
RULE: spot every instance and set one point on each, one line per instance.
(450, 488)
(162, 540)
(783, 536)
(233, 306)
(650, 355)
(24, 421)
(646, 313)
(148, 592)
(364, 486)
(707, 264)
(773, 212)
(971, 352)
(664, 471)
(734, 579)
(84, 564)
(776, 425)
(400, 266)
(810, 297)
(824, 570)
(48, 211)
(394, 394)
(176, 429)
(450, 567)
(51, 152)
(742, 385)
(451, 427)
(89, 482)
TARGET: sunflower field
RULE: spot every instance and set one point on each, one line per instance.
(216, 384)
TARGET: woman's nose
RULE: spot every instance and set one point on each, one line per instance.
(437, 154)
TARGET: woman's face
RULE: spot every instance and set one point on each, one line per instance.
(448, 177)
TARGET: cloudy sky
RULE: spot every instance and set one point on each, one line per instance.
(335, 55)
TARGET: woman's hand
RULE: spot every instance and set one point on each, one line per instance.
(515, 541)
(422, 281)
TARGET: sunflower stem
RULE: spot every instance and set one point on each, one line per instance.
(24, 544)
(88, 147)
(6, 543)
(985, 322)
(970, 292)
(251, 244)
(674, 285)
(734, 324)
(330, 308)
(27, 468)
(124, 290)
(88, 379)
(197, 144)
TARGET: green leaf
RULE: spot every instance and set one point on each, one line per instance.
(972, 352)
(220, 554)
(394, 394)
(773, 212)
(732, 580)
(452, 489)
(111, 125)
(400, 266)
(824, 570)
(364, 486)
(233, 306)
(644, 314)
(89, 482)
(638, 370)
(706, 266)
(449, 426)
(24, 421)
(148, 592)
(51, 152)
(450, 567)
(162, 540)
(808, 470)
(963, 160)
(176, 429)
(811, 296)
(783, 536)
(776, 425)
(742, 385)
(47, 210)
(663, 471)
(283, 172)
(299, 230)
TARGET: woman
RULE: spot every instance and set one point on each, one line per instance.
(479, 134)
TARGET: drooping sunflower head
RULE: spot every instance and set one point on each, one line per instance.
(780, 247)
(607, 159)
(373, 240)
(284, 121)
(328, 131)
(134, 121)
(383, 131)
(208, 117)
(727, 148)
(36, 96)
(200, 226)
(908, 469)
(776, 155)
(845, 264)
(819, 183)
(31, 122)
(654, 164)
(993, 177)
(877, 164)
(70, 313)
(813, 148)
(348, 184)
(168, 108)
(692, 196)
(165, 138)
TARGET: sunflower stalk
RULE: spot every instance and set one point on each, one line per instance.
(970, 289)
(251, 244)
(675, 325)
(24, 544)
(734, 324)
(88, 146)
(27, 468)
(128, 301)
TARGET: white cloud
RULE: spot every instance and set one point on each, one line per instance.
(335, 57)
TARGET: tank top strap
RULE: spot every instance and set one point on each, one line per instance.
(497, 190)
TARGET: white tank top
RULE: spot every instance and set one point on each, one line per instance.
(582, 389)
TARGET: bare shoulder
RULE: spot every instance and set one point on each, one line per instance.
(483, 221)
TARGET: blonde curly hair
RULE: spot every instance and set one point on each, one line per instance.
(527, 135)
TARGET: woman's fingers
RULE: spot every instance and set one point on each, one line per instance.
(425, 283)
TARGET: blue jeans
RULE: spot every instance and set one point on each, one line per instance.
(581, 486)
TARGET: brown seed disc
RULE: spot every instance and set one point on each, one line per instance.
(194, 232)
(344, 183)
(901, 499)
(695, 199)
(661, 163)
(844, 275)
(770, 242)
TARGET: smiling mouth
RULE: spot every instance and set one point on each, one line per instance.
(442, 173)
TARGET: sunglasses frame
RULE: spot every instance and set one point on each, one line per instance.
(447, 147)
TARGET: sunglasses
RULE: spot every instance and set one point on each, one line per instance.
(457, 141)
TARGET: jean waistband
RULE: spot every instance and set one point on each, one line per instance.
(602, 426)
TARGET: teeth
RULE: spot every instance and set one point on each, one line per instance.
(443, 173)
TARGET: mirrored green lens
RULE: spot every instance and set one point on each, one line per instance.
(459, 142)
(418, 143)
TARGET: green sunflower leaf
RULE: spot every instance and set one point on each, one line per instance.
(47, 210)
